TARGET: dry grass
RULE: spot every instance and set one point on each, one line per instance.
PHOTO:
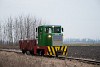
(11, 59)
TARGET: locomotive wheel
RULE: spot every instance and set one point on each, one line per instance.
(28, 52)
(56, 54)
(41, 52)
(59, 53)
(32, 52)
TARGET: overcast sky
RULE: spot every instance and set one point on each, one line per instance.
(79, 18)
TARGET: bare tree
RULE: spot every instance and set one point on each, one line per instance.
(27, 26)
(0, 33)
(9, 30)
(4, 34)
(34, 28)
(19, 28)
(16, 30)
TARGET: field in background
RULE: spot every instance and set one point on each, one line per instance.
(9, 46)
(17, 46)
(78, 44)
(88, 52)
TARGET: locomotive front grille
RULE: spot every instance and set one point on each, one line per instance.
(57, 40)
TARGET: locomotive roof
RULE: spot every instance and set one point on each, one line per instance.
(50, 25)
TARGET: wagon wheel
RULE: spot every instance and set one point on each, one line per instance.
(32, 52)
(23, 51)
(28, 52)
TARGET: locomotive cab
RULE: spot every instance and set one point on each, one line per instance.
(50, 35)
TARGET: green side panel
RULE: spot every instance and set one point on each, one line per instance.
(40, 36)
(43, 39)
(48, 40)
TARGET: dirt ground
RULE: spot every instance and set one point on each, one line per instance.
(89, 52)
(11, 59)
(9, 46)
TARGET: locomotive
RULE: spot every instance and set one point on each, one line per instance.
(48, 42)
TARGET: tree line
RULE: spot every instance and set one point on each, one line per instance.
(14, 29)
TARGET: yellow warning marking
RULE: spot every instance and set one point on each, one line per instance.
(49, 50)
(50, 53)
(64, 53)
(53, 50)
(65, 48)
(62, 48)
(57, 48)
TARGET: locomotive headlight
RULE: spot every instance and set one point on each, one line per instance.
(49, 36)
(53, 26)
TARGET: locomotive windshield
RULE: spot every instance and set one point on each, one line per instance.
(48, 30)
(57, 30)
(53, 30)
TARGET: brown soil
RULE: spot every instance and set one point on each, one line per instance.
(89, 52)
(11, 59)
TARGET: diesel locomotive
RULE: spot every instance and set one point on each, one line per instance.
(48, 42)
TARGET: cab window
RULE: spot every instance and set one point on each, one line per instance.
(40, 29)
(48, 30)
(57, 30)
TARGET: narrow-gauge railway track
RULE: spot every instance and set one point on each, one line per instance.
(89, 61)
(11, 50)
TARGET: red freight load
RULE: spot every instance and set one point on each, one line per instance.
(30, 46)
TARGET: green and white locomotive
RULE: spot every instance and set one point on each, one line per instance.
(49, 41)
